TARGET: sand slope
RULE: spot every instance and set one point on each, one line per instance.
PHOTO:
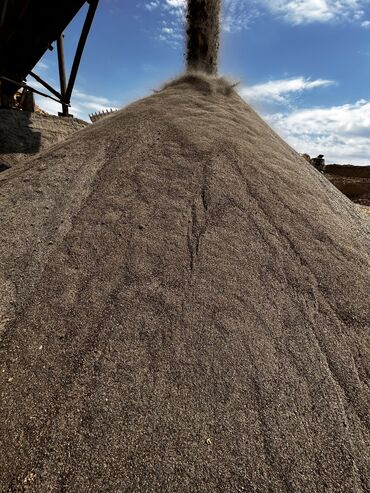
(24, 134)
(184, 308)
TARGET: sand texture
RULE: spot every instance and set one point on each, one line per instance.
(24, 134)
(184, 308)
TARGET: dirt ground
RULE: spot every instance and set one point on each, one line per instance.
(353, 181)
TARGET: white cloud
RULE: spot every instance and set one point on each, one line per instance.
(40, 67)
(176, 3)
(238, 14)
(235, 16)
(279, 91)
(306, 11)
(171, 26)
(340, 132)
(82, 104)
(88, 102)
(171, 32)
(152, 5)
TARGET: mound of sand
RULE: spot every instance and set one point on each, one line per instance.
(184, 307)
(24, 134)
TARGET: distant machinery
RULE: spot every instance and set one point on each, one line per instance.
(318, 162)
(94, 117)
(27, 30)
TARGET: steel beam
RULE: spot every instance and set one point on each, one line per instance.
(20, 84)
(46, 85)
(62, 76)
(80, 47)
(63, 96)
(2, 18)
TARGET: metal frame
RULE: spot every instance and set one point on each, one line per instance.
(23, 84)
(2, 16)
(66, 87)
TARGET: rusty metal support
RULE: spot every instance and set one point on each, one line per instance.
(8, 86)
(20, 84)
(62, 76)
(46, 85)
(3, 11)
(80, 47)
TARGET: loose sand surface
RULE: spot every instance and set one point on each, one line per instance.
(24, 134)
(184, 308)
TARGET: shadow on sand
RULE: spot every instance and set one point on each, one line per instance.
(16, 136)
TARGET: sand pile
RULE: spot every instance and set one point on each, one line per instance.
(185, 307)
(24, 134)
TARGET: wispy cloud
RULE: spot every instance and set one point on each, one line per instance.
(176, 3)
(82, 104)
(171, 32)
(307, 11)
(235, 16)
(170, 27)
(154, 4)
(239, 14)
(41, 67)
(83, 101)
(340, 132)
(280, 91)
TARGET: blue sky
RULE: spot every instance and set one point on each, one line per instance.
(304, 65)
